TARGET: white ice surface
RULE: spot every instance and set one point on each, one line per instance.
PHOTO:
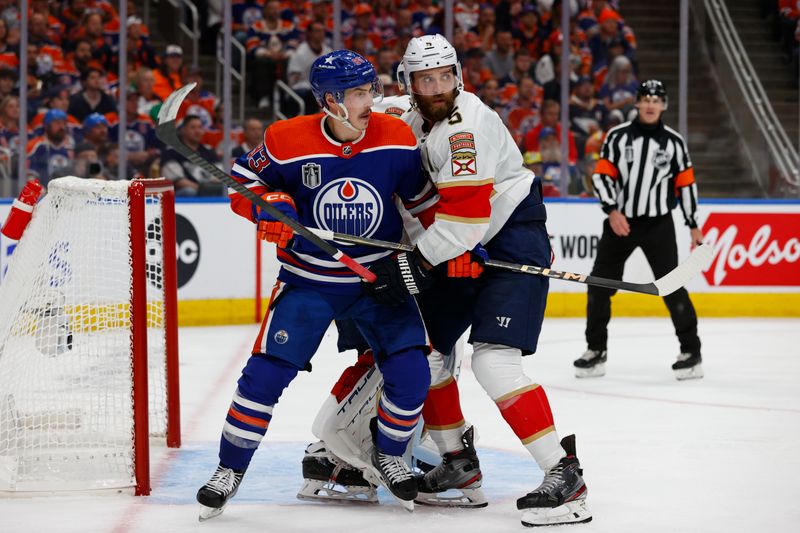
(713, 455)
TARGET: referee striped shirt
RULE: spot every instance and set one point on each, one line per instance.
(644, 170)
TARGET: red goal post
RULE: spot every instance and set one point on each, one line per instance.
(88, 338)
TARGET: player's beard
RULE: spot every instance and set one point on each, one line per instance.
(437, 107)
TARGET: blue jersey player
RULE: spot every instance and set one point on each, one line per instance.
(339, 170)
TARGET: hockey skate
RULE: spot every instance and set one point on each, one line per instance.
(591, 364)
(396, 476)
(456, 481)
(688, 366)
(328, 478)
(561, 498)
(214, 495)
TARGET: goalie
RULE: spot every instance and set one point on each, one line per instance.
(490, 205)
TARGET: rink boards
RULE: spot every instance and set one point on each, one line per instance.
(755, 270)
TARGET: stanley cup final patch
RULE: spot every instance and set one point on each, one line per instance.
(462, 154)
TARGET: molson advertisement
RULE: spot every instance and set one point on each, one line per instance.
(755, 270)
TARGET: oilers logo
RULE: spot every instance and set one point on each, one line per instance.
(348, 205)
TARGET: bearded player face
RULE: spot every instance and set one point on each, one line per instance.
(435, 92)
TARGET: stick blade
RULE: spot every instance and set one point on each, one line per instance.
(169, 109)
(697, 261)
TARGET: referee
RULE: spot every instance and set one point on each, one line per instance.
(644, 169)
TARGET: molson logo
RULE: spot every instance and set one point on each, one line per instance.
(754, 249)
(348, 205)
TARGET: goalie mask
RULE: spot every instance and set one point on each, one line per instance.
(338, 71)
(424, 53)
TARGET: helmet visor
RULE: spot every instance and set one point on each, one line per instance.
(434, 81)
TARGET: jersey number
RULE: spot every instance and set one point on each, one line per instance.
(455, 117)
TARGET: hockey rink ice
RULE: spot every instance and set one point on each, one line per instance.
(718, 454)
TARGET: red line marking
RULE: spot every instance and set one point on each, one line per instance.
(127, 520)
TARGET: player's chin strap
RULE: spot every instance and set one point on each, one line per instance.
(344, 120)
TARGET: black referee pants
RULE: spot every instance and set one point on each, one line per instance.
(656, 237)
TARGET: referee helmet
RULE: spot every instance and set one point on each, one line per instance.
(652, 88)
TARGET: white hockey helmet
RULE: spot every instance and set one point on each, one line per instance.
(426, 52)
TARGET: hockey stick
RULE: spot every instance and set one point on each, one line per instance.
(167, 131)
(671, 282)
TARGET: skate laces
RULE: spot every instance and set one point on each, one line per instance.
(223, 481)
(552, 479)
(683, 356)
(394, 467)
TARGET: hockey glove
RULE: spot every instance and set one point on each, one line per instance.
(270, 229)
(398, 277)
(469, 264)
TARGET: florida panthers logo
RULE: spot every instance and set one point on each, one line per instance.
(348, 205)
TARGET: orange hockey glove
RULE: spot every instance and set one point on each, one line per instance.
(269, 228)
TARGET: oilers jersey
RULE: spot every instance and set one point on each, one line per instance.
(342, 187)
(477, 168)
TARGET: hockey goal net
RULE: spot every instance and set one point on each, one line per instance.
(88, 338)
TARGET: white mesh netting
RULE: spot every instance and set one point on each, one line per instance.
(66, 414)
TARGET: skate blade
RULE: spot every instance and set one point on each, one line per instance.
(596, 371)
(207, 513)
(695, 372)
(328, 492)
(463, 498)
(574, 512)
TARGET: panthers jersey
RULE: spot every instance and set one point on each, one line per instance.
(478, 171)
(393, 105)
(342, 187)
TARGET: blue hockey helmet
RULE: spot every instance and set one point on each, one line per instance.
(341, 70)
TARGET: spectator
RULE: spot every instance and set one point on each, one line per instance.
(75, 63)
(473, 71)
(95, 131)
(8, 82)
(91, 29)
(9, 54)
(423, 13)
(87, 162)
(109, 157)
(364, 22)
(500, 59)
(386, 63)
(551, 110)
(253, 136)
(50, 155)
(56, 98)
(244, 14)
(612, 32)
(300, 64)
(168, 75)
(140, 140)
(619, 89)
(9, 123)
(140, 53)
(145, 82)
(92, 99)
(199, 102)
(522, 67)
(385, 21)
(466, 15)
(522, 113)
(269, 42)
(546, 162)
(528, 33)
(214, 134)
(188, 178)
(484, 31)
(490, 95)
(586, 113)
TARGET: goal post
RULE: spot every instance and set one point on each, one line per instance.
(88, 338)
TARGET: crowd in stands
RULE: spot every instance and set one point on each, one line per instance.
(785, 17)
(510, 51)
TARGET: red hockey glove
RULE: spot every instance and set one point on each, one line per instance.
(469, 264)
(270, 229)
